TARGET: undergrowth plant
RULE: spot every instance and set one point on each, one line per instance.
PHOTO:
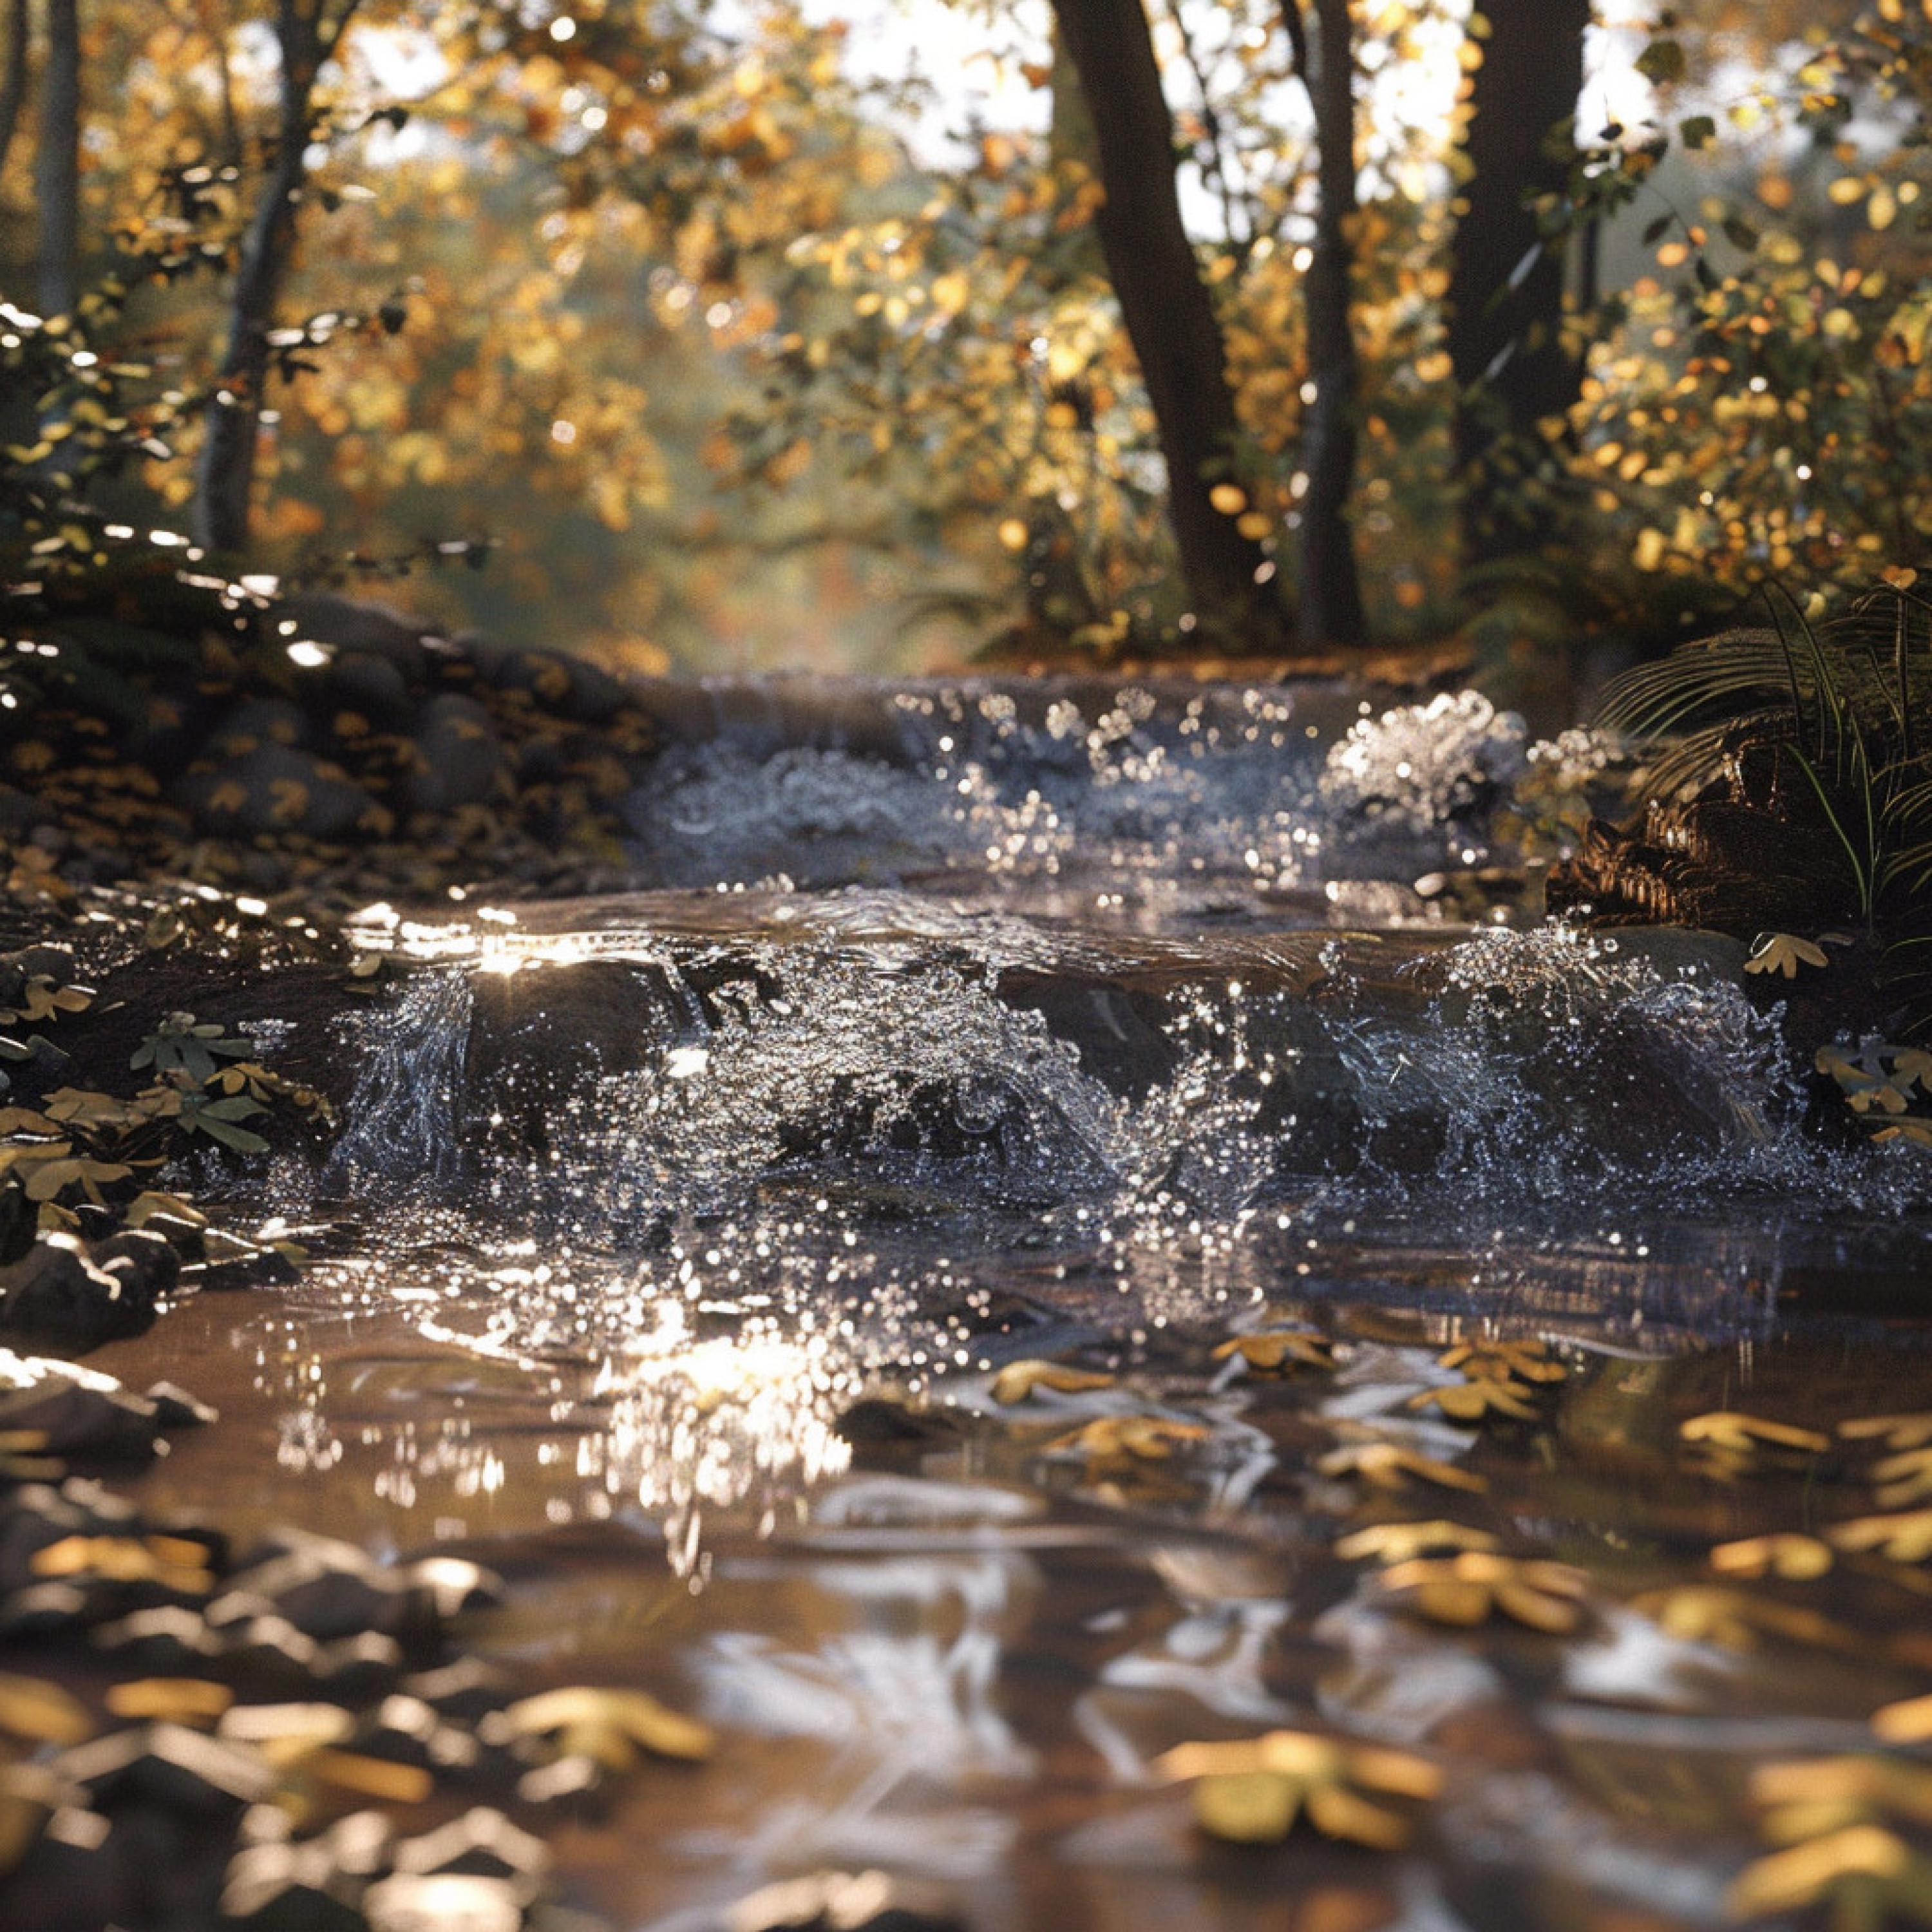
(1828, 723)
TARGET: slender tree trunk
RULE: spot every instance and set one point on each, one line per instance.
(224, 76)
(225, 472)
(1169, 316)
(1506, 289)
(57, 162)
(14, 83)
(1328, 584)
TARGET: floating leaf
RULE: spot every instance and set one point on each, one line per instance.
(1784, 952)
(1389, 1465)
(1905, 1538)
(1252, 1792)
(1802, 1797)
(1504, 1361)
(1471, 1587)
(1272, 1351)
(1119, 1441)
(1898, 1479)
(1789, 1881)
(379, 1777)
(1707, 1613)
(659, 1730)
(31, 1708)
(1796, 1559)
(1018, 1380)
(173, 1562)
(1896, 1432)
(1909, 1723)
(1472, 1401)
(1398, 1542)
(43, 999)
(174, 1700)
(1727, 1428)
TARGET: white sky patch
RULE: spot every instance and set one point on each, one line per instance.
(969, 57)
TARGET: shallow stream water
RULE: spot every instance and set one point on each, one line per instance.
(675, 1244)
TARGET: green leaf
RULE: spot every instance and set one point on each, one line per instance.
(1741, 234)
(1699, 131)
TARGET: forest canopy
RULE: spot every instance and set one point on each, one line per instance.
(745, 332)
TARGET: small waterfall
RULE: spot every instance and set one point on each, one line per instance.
(402, 1136)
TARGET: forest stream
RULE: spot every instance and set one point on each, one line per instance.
(958, 1281)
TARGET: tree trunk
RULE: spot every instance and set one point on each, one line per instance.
(13, 85)
(57, 162)
(1169, 317)
(225, 472)
(1506, 289)
(1327, 584)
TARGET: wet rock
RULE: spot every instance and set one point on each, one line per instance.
(267, 1657)
(351, 625)
(372, 689)
(448, 1586)
(55, 1295)
(142, 1261)
(170, 1641)
(175, 1409)
(46, 962)
(461, 757)
(38, 1610)
(442, 1902)
(276, 788)
(168, 731)
(325, 1600)
(465, 1690)
(286, 1888)
(873, 1421)
(167, 1764)
(572, 1781)
(77, 1879)
(94, 1417)
(482, 1843)
(357, 1669)
(33, 1065)
(255, 722)
(842, 1902)
(35, 1515)
(405, 1730)
(20, 813)
(360, 1844)
(567, 686)
(18, 1222)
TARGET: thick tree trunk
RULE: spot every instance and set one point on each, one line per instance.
(1170, 318)
(225, 473)
(1327, 584)
(57, 162)
(13, 83)
(1506, 318)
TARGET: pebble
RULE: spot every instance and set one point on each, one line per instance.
(442, 1902)
(835, 1901)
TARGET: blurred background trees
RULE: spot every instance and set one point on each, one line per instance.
(734, 335)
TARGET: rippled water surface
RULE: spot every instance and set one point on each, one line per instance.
(677, 1243)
